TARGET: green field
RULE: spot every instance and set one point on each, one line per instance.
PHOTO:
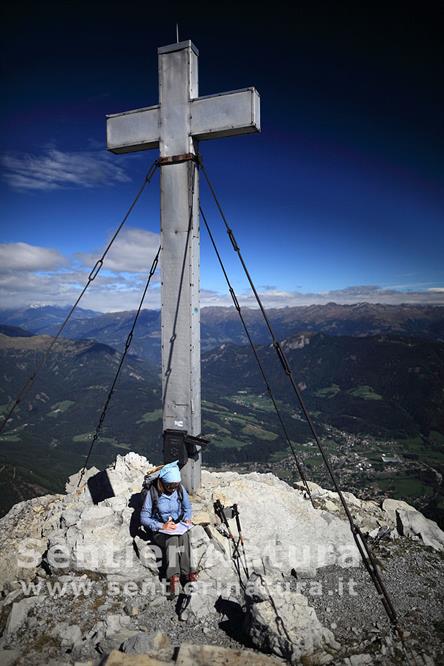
(257, 402)
(87, 437)
(151, 417)
(260, 433)
(60, 408)
(404, 486)
(229, 443)
(365, 392)
(328, 391)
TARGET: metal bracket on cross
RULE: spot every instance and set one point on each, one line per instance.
(178, 159)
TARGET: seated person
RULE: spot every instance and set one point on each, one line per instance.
(168, 511)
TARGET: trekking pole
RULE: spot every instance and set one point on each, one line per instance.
(220, 511)
(236, 515)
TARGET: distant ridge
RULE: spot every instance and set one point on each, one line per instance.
(221, 324)
(15, 332)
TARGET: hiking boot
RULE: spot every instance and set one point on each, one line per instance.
(174, 585)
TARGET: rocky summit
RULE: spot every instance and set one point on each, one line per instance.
(80, 583)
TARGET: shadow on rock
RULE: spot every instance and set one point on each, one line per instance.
(234, 624)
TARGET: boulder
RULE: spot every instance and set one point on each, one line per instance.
(97, 537)
(68, 634)
(207, 557)
(282, 533)
(155, 644)
(126, 474)
(203, 655)
(22, 539)
(117, 658)
(8, 657)
(390, 506)
(358, 660)
(308, 540)
(18, 614)
(146, 555)
(410, 522)
(200, 603)
(414, 524)
(281, 621)
(71, 486)
(203, 518)
(115, 623)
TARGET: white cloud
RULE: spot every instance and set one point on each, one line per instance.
(108, 293)
(56, 169)
(32, 274)
(25, 257)
(275, 298)
(132, 252)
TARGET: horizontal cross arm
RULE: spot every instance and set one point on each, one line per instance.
(212, 116)
(226, 114)
(133, 130)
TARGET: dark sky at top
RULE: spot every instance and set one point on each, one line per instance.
(342, 188)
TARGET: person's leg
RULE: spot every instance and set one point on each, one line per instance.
(185, 554)
(172, 555)
(159, 541)
(170, 561)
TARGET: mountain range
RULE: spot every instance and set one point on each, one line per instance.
(382, 385)
(222, 325)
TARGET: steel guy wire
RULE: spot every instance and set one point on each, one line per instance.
(358, 536)
(256, 355)
(127, 346)
(93, 274)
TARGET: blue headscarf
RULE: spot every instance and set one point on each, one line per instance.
(170, 473)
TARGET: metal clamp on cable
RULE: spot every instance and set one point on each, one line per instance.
(177, 159)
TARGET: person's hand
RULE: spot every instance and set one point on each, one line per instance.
(187, 522)
(169, 525)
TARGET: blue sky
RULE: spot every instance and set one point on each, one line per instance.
(340, 198)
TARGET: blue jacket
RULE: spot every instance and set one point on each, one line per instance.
(167, 505)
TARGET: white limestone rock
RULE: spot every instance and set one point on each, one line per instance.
(155, 644)
(72, 485)
(201, 603)
(396, 516)
(390, 507)
(147, 555)
(18, 614)
(68, 634)
(414, 524)
(298, 634)
(281, 529)
(9, 657)
(203, 655)
(126, 474)
(84, 536)
(115, 623)
(410, 522)
(22, 539)
(207, 557)
(100, 542)
(70, 517)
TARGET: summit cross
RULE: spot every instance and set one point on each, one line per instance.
(175, 126)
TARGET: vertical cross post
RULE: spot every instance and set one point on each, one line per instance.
(175, 126)
(180, 241)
